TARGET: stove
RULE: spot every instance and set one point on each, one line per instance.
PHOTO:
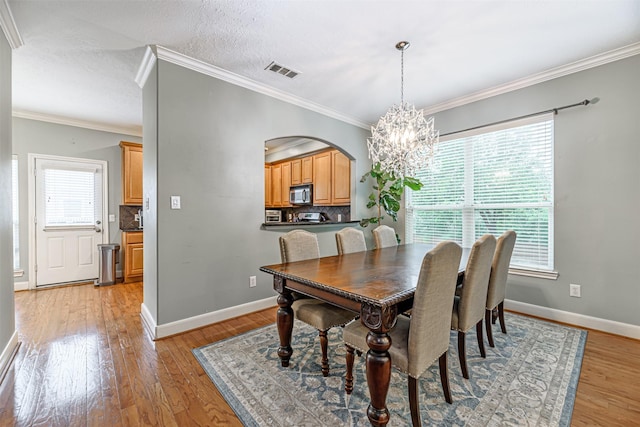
(309, 217)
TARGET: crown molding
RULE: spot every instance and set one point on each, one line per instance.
(238, 80)
(131, 131)
(9, 26)
(554, 73)
(148, 61)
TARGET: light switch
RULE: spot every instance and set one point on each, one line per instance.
(175, 202)
(112, 218)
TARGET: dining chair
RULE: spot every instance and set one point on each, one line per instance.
(349, 240)
(498, 282)
(299, 245)
(384, 237)
(469, 304)
(416, 342)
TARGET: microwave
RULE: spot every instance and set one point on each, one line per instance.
(272, 216)
(300, 195)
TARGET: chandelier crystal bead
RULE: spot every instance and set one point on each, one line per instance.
(403, 140)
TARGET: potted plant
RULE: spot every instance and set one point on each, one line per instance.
(387, 193)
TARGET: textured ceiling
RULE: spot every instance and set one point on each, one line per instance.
(80, 58)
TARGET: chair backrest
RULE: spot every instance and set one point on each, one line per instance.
(500, 269)
(384, 237)
(349, 240)
(298, 245)
(476, 282)
(431, 312)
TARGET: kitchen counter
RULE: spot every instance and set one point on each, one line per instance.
(303, 224)
(130, 230)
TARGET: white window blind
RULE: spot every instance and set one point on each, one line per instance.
(490, 180)
(15, 212)
(69, 197)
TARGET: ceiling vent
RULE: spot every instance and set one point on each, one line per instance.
(280, 69)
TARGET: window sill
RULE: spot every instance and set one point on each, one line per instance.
(18, 273)
(539, 274)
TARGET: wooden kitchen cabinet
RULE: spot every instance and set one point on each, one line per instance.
(276, 185)
(132, 242)
(322, 178)
(131, 173)
(340, 179)
(307, 170)
(267, 186)
(286, 183)
(296, 172)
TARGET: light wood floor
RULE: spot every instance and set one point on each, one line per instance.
(86, 360)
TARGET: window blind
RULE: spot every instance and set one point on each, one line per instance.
(69, 197)
(490, 180)
(15, 212)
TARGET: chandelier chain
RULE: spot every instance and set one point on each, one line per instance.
(402, 76)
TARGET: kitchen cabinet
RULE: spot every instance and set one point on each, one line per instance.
(131, 173)
(276, 185)
(132, 242)
(286, 183)
(296, 172)
(267, 185)
(331, 179)
(340, 179)
(307, 170)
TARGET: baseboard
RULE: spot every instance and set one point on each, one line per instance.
(610, 326)
(20, 286)
(179, 326)
(8, 354)
(148, 322)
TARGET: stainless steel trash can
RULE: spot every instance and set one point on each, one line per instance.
(108, 254)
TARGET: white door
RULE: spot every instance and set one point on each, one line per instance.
(68, 219)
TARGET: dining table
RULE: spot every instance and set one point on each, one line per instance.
(377, 284)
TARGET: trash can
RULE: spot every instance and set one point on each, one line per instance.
(108, 254)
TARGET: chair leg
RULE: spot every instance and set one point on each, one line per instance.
(444, 378)
(494, 315)
(324, 343)
(487, 324)
(480, 339)
(414, 404)
(462, 355)
(501, 315)
(348, 377)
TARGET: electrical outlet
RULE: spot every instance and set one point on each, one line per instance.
(574, 290)
(339, 218)
(252, 281)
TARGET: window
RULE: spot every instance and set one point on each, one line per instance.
(15, 212)
(69, 197)
(490, 180)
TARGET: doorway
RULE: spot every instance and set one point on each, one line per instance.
(68, 204)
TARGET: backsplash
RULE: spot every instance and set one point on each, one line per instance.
(127, 217)
(330, 211)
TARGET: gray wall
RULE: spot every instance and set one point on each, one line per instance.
(210, 151)
(597, 187)
(7, 320)
(32, 136)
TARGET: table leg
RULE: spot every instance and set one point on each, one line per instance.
(284, 320)
(379, 321)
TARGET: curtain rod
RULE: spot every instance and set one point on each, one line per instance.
(553, 110)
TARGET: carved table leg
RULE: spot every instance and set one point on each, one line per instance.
(284, 320)
(379, 321)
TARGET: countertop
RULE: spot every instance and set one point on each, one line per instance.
(130, 230)
(301, 224)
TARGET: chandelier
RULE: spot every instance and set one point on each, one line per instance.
(402, 141)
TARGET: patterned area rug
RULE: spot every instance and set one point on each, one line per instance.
(528, 379)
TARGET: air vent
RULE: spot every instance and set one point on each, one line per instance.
(280, 69)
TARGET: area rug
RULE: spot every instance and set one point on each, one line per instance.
(528, 379)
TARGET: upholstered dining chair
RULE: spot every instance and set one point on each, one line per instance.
(384, 237)
(349, 240)
(416, 342)
(469, 304)
(299, 245)
(498, 282)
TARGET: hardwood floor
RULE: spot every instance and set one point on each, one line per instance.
(86, 360)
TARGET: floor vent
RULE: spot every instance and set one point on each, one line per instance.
(280, 69)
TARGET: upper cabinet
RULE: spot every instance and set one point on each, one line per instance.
(329, 172)
(131, 173)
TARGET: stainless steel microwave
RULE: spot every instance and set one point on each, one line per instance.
(301, 195)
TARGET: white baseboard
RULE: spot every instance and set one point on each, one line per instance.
(8, 354)
(20, 286)
(179, 326)
(148, 322)
(610, 326)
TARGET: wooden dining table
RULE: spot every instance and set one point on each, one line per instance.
(377, 284)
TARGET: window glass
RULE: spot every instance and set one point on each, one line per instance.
(15, 213)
